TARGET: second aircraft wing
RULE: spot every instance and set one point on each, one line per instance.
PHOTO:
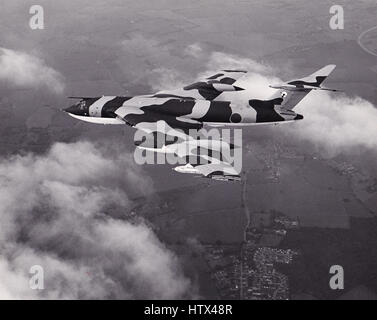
(208, 88)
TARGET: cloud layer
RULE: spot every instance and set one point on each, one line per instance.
(68, 211)
(23, 70)
(337, 123)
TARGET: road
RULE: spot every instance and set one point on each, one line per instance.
(359, 41)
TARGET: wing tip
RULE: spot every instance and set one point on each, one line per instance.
(234, 70)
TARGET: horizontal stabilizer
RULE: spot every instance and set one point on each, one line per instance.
(292, 92)
(304, 88)
(80, 98)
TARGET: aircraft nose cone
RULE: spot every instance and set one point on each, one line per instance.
(79, 109)
(71, 109)
(299, 117)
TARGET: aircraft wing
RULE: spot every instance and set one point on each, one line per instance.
(208, 88)
(152, 118)
(218, 171)
(215, 169)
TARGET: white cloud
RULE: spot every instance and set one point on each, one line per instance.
(337, 122)
(194, 50)
(67, 211)
(23, 70)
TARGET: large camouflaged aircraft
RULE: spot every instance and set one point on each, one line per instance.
(197, 105)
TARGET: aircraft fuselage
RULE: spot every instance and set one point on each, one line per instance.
(113, 109)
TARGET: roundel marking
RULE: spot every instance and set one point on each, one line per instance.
(235, 118)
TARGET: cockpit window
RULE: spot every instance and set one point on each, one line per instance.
(81, 105)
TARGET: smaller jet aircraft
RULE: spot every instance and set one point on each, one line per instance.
(214, 159)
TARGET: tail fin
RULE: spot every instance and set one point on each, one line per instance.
(292, 92)
(314, 80)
